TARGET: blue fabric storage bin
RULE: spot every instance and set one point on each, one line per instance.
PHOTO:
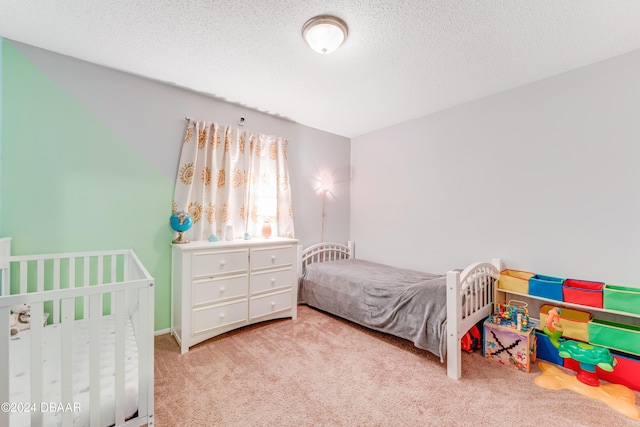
(546, 287)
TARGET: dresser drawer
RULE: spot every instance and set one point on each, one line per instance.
(271, 257)
(261, 306)
(271, 280)
(206, 318)
(218, 289)
(212, 263)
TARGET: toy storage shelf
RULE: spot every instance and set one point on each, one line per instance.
(628, 362)
(500, 295)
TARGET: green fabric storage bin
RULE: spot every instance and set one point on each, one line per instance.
(614, 335)
(622, 298)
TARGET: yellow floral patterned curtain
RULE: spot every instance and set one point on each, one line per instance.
(232, 177)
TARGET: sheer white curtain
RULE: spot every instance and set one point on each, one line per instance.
(229, 176)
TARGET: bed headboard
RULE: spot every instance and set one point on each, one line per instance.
(322, 252)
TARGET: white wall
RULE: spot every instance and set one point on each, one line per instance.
(545, 176)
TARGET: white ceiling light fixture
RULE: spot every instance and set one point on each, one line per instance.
(324, 33)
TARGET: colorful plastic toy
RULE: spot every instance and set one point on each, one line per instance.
(514, 315)
(553, 320)
(616, 396)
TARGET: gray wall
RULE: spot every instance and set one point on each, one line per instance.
(545, 176)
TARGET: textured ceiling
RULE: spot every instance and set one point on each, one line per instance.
(403, 59)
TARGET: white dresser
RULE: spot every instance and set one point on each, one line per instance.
(220, 286)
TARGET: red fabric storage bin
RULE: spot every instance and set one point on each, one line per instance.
(583, 292)
(626, 371)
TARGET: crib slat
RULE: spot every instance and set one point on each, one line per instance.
(72, 272)
(23, 277)
(100, 270)
(4, 362)
(125, 266)
(40, 275)
(56, 286)
(86, 261)
(114, 270)
(87, 271)
(37, 318)
(120, 305)
(144, 363)
(94, 358)
(66, 369)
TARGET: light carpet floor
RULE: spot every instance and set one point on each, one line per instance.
(319, 370)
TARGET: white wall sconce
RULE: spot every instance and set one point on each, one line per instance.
(325, 33)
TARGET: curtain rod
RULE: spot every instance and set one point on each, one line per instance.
(240, 122)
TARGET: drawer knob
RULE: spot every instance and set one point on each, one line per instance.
(273, 258)
(273, 304)
(222, 289)
(222, 263)
(222, 315)
(273, 281)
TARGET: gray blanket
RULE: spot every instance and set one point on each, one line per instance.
(405, 303)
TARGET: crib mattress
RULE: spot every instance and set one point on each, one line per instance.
(20, 378)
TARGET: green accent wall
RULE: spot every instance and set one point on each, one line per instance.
(69, 183)
(1, 43)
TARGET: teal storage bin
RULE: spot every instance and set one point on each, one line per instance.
(614, 335)
(546, 287)
(622, 298)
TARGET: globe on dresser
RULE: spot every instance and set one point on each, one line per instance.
(180, 222)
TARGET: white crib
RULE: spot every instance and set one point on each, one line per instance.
(92, 363)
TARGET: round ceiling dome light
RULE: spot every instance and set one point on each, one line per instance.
(324, 33)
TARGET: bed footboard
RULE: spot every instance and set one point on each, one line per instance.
(469, 300)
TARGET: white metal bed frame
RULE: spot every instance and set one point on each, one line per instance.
(59, 281)
(474, 286)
